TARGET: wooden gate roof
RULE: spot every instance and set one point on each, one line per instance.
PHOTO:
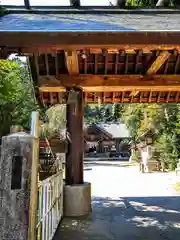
(128, 56)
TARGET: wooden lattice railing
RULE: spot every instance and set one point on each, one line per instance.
(50, 206)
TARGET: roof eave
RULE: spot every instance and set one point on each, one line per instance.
(35, 40)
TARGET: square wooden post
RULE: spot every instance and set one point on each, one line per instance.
(75, 154)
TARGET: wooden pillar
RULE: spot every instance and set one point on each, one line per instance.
(75, 154)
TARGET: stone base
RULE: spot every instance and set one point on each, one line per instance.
(77, 200)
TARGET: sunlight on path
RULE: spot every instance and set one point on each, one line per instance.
(114, 182)
(127, 205)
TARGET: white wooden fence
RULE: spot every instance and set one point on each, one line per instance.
(50, 206)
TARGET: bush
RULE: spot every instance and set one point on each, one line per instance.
(165, 151)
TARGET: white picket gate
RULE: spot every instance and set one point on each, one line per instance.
(50, 206)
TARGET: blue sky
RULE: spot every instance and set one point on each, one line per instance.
(57, 2)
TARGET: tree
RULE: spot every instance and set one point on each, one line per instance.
(164, 119)
(17, 99)
(118, 111)
(132, 116)
(108, 116)
(55, 122)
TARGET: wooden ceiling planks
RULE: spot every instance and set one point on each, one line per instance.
(124, 75)
(123, 62)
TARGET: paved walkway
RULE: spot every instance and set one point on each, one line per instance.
(127, 205)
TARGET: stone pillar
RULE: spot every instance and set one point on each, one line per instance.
(77, 194)
(15, 185)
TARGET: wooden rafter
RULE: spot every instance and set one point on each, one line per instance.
(168, 96)
(177, 96)
(160, 60)
(116, 63)
(150, 97)
(122, 97)
(56, 64)
(95, 64)
(137, 61)
(140, 97)
(159, 97)
(134, 93)
(47, 64)
(177, 62)
(72, 62)
(36, 64)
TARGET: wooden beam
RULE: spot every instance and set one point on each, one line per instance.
(160, 60)
(134, 93)
(114, 83)
(92, 49)
(72, 62)
(81, 40)
(146, 51)
(130, 51)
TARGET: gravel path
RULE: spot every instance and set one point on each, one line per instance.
(127, 205)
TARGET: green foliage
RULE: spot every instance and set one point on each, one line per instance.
(17, 99)
(166, 150)
(164, 120)
(177, 186)
(105, 113)
(132, 116)
(118, 112)
(55, 122)
(150, 3)
(140, 3)
(3, 11)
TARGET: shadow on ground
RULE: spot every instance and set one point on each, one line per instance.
(126, 218)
